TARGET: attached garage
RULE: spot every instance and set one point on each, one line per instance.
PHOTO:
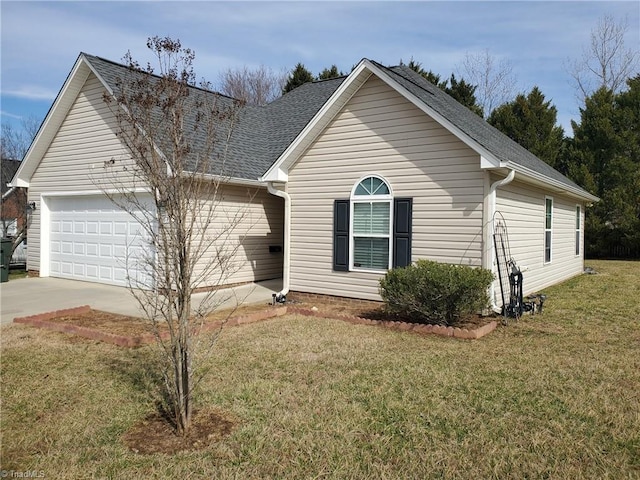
(92, 239)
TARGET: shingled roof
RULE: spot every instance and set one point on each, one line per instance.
(499, 144)
(266, 137)
(261, 134)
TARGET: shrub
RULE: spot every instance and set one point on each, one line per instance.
(432, 292)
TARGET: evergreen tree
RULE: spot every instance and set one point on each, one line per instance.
(463, 92)
(531, 121)
(428, 75)
(460, 90)
(604, 157)
(299, 76)
(329, 73)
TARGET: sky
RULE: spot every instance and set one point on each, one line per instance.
(40, 41)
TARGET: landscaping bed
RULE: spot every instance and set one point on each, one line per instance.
(127, 331)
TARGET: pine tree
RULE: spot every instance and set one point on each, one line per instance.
(299, 76)
(329, 73)
(531, 121)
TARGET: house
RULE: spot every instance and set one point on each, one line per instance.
(13, 211)
(352, 176)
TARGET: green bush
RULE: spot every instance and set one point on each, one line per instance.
(432, 292)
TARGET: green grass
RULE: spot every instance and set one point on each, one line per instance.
(18, 273)
(552, 396)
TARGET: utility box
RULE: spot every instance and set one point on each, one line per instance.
(5, 258)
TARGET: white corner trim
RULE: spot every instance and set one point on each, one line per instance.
(45, 237)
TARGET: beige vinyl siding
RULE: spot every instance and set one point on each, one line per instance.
(380, 132)
(75, 159)
(75, 163)
(523, 208)
(244, 223)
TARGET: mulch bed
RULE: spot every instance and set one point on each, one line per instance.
(156, 433)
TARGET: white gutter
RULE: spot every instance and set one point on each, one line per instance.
(280, 296)
(492, 210)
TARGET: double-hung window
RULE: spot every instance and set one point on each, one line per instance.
(371, 215)
(548, 224)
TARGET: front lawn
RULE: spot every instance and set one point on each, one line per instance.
(552, 396)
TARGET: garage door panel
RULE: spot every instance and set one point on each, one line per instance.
(92, 239)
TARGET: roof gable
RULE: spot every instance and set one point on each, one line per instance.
(259, 137)
(496, 150)
(267, 141)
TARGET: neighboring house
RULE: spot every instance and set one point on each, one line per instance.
(353, 176)
(13, 211)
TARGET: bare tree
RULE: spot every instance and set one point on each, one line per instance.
(606, 61)
(14, 142)
(494, 78)
(254, 87)
(176, 138)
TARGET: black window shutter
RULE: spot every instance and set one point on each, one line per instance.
(341, 235)
(402, 218)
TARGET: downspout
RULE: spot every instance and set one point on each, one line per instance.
(492, 210)
(282, 294)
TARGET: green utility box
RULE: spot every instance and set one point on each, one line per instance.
(5, 258)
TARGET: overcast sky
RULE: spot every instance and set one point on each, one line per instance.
(41, 40)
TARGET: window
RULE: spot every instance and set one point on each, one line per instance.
(371, 214)
(548, 224)
(372, 230)
(578, 223)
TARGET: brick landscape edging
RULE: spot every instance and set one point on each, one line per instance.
(43, 321)
(413, 327)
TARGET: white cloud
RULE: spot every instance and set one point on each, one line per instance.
(31, 92)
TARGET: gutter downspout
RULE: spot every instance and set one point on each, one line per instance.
(281, 295)
(492, 210)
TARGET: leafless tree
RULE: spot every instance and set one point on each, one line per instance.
(171, 179)
(254, 87)
(606, 61)
(15, 142)
(494, 78)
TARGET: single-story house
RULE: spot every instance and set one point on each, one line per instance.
(352, 176)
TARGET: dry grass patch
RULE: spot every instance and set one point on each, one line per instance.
(552, 396)
(134, 326)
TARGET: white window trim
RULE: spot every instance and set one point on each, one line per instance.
(544, 242)
(353, 199)
(577, 249)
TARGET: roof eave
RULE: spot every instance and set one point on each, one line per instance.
(536, 177)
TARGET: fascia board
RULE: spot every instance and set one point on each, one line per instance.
(562, 187)
(278, 172)
(244, 182)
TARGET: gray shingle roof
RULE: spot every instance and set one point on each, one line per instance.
(260, 135)
(492, 139)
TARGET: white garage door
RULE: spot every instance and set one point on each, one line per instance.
(92, 239)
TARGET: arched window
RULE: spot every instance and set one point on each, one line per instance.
(370, 229)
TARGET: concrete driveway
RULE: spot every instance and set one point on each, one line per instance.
(31, 296)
